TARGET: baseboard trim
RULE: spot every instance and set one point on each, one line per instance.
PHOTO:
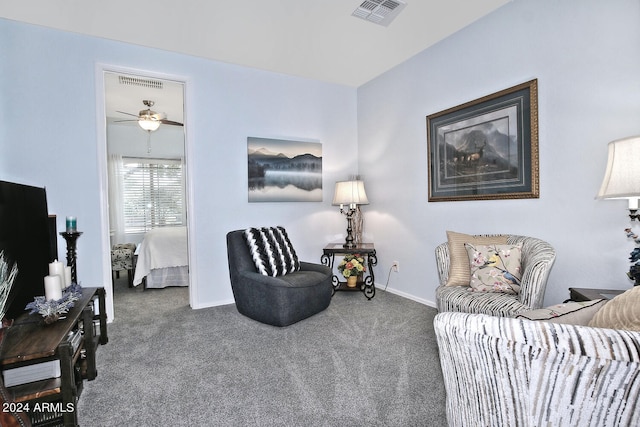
(411, 297)
(390, 290)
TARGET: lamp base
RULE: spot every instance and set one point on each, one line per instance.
(349, 240)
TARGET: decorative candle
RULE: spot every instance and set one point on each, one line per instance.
(52, 288)
(72, 224)
(56, 268)
(67, 276)
(633, 203)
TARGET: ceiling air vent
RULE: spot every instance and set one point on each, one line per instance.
(379, 11)
(137, 81)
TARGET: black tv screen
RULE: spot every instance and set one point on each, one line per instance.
(25, 240)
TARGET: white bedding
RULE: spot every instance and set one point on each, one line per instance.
(161, 248)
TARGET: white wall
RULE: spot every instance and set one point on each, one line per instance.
(48, 125)
(586, 57)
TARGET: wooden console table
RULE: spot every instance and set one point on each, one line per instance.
(367, 250)
(73, 341)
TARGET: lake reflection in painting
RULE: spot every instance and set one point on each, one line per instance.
(284, 171)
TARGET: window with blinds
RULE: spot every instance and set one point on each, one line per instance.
(153, 192)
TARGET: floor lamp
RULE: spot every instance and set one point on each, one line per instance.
(622, 178)
(622, 181)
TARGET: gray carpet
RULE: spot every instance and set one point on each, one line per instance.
(358, 363)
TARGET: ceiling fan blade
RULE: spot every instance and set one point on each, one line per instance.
(128, 114)
(122, 121)
(170, 122)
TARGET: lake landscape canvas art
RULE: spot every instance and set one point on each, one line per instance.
(284, 171)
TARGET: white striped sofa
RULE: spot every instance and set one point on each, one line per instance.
(514, 372)
(537, 259)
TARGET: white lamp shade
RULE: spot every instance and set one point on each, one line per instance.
(350, 192)
(622, 178)
(149, 125)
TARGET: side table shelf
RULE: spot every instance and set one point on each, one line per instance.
(72, 341)
(367, 284)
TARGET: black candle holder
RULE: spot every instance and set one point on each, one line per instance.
(71, 237)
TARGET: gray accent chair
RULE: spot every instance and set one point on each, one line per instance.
(502, 371)
(538, 257)
(277, 301)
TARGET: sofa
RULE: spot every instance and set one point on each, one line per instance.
(516, 372)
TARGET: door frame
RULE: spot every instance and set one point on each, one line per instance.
(101, 137)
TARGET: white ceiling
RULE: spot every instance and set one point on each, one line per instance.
(318, 39)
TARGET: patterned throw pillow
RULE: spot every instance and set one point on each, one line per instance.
(495, 268)
(459, 274)
(272, 251)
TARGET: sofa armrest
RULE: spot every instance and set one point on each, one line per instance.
(505, 371)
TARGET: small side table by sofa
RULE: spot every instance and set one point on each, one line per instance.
(367, 283)
(588, 294)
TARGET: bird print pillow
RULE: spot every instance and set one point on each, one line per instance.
(495, 268)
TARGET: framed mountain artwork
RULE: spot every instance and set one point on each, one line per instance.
(487, 148)
(284, 171)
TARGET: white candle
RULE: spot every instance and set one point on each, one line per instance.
(52, 288)
(633, 203)
(67, 276)
(56, 268)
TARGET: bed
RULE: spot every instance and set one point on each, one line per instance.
(162, 258)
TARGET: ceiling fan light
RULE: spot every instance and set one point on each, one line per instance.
(149, 125)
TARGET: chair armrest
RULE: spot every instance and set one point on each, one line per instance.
(538, 257)
(258, 278)
(442, 262)
(505, 371)
(308, 266)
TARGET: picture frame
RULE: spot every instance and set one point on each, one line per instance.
(486, 149)
(282, 170)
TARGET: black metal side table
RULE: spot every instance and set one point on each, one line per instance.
(367, 284)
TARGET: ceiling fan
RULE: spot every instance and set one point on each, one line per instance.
(148, 119)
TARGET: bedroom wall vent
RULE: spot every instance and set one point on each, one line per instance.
(380, 12)
(137, 81)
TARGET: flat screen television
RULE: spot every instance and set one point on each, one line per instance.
(25, 238)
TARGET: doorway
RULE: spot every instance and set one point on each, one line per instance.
(144, 170)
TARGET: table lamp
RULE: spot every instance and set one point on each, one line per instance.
(622, 177)
(349, 194)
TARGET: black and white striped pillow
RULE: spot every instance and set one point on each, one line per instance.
(272, 251)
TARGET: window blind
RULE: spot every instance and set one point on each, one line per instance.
(153, 191)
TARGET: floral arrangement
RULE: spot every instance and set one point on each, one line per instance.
(51, 310)
(351, 265)
(6, 282)
(634, 256)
